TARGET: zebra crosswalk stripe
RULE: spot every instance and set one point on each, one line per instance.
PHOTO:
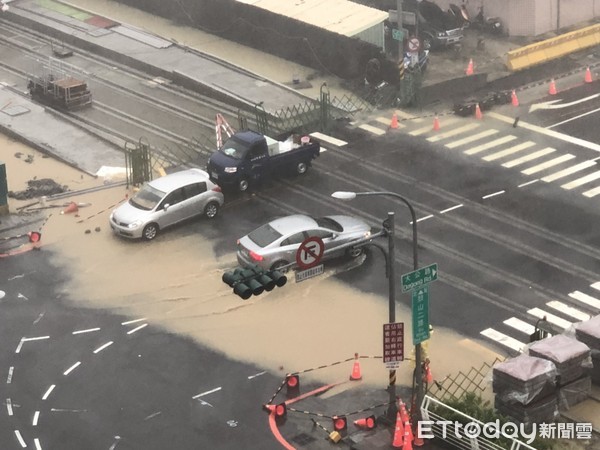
(568, 171)
(388, 122)
(592, 192)
(503, 339)
(491, 144)
(472, 138)
(596, 285)
(585, 298)
(509, 151)
(372, 129)
(548, 164)
(520, 325)
(530, 157)
(447, 134)
(583, 180)
(540, 314)
(568, 310)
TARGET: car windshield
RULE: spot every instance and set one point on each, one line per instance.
(326, 222)
(264, 235)
(234, 149)
(146, 198)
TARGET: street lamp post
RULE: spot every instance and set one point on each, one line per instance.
(418, 377)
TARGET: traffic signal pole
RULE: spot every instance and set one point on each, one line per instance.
(389, 225)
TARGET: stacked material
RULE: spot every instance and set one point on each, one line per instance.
(570, 356)
(588, 332)
(525, 389)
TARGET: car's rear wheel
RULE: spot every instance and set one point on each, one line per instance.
(150, 231)
(278, 266)
(301, 168)
(354, 252)
(243, 185)
(211, 210)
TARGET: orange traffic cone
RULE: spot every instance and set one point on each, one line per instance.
(513, 98)
(552, 88)
(588, 75)
(398, 432)
(394, 123)
(436, 124)
(470, 69)
(418, 440)
(478, 114)
(407, 437)
(367, 423)
(71, 208)
(355, 375)
(403, 412)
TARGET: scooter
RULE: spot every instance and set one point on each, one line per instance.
(490, 25)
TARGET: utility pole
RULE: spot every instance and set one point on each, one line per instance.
(400, 28)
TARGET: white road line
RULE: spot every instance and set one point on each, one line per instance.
(326, 138)
(48, 392)
(250, 377)
(509, 151)
(548, 164)
(530, 157)
(540, 314)
(574, 118)
(388, 122)
(490, 144)
(568, 171)
(428, 128)
(89, 330)
(528, 183)
(423, 218)
(581, 181)
(596, 285)
(322, 150)
(35, 322)
(493, 195)
(503, 339)
(137, 329)
(568, 310)
(10, 374)
(404, 115)
(38, 338)
(36, 416)
(372, 129)
(72, 368)
(206, 393)
(450, 209)
(551, 133)
(592, 192)
(38, 446)
(470, 139)
(587, 299)
(129, 322)
(520, 325)
(20, 438)
(102, 347)
(18, 349)
(447, 134)
(9, 406)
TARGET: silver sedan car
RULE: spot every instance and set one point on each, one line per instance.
(275, 244)
(166, 201)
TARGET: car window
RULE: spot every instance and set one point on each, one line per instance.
(326, 222)
(173, 198)
(191, 190)
(294, 239)
(256, 151)
(146, 198)
(320, 233)
(264, 235)
(234, 149)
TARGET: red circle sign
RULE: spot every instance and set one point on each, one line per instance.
(414, 44)
(310, 252)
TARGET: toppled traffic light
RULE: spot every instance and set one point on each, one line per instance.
(253, 280)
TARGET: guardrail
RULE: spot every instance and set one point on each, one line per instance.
(553, 48)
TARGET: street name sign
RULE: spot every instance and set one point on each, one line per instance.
(420, 314)
(420, 277)
(393, 344)
(314, 271)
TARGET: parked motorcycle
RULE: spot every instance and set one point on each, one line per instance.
(490, 25)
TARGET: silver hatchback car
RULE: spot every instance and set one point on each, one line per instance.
(275, 244)
(166, 201)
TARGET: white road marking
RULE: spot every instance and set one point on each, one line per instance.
(592, 192)
(428, 128)
(257, 375)
(587, 299)
(20, 438)
(503, 339)
(388, 122)
(450, 209)
(548, 164)
(509, 151)
(38, 446)
(596, 285)
(36, 416)
(490, 144)
(530, 157)
(520, 325)
(72, 368)
(423, 218)
(568, 310)
(493, 195)
(38, 338)
(574, 118)
(327, 138)
(405, 115)
(581, 181)
(10, 374)
(48, 392)
(528, 183)
(89, 330)
(206, 393)
(129, 322)
(372, 129)
(18, 349)
(454, 132)
(9, 406)
(102, 347)
(152, 415)
(472, 138)
(137, 329)
(540, 314)
(322, 150)
(568, 171)
(38, 318)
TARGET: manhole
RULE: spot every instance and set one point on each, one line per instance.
(303, 439)
(14, 110)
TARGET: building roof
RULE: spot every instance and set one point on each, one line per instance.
(339, 16)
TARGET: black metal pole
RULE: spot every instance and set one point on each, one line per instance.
(391, 258)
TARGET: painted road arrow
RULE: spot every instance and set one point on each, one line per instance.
(551, 104)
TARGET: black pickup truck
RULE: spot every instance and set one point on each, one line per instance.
(248, 157)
